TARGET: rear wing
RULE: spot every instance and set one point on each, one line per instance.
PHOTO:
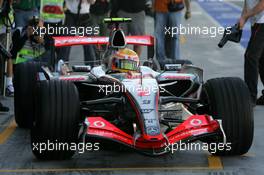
(63, 41)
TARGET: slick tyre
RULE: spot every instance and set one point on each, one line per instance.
(57, 120)
(25, 77)
(229, 101)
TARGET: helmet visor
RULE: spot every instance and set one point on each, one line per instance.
(124, 64)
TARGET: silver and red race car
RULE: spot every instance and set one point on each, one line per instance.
(148, 110)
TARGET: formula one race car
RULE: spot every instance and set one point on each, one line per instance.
(124, 102)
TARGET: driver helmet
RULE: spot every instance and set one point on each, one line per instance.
(124, 60)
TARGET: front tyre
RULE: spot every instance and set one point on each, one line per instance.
(57, 120)
(229, 101)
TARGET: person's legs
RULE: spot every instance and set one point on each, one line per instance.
(89, 52)
(2, 64)
(137, 27)
(22, 17)
(175, 21)
(2, 72)
(161, 20)
(97, 21)
(64, 52)
(252, 57)
(261, 68)
(124, 26)
(260, 100)
(9, 74)
(103, 26)
(94, 20)
(9, 78)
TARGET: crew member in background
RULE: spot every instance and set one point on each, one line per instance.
(254, 56)
(168, 14)
(10, 22)
(25, 10)
(52, 13)
(78, 15)
(134, 9)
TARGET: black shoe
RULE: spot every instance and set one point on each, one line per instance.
(260, 100)
(3, 108)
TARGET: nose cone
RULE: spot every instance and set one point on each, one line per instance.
(145, 93)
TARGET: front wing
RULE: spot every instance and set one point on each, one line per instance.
(195, 126)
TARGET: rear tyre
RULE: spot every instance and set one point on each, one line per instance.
(229, 100)
(25, 78)
(57, 121)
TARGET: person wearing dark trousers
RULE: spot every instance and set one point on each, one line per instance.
(2, 59)
(24, 10)
(78, 15)
(5, 23)
(134, 9)
(2, 64)
(168, 14)
(254, 56)
(99, 11)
